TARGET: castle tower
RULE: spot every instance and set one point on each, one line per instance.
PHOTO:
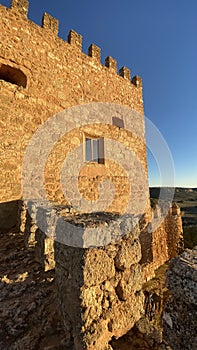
(43, 79)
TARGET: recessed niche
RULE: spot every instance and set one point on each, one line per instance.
(12, 75)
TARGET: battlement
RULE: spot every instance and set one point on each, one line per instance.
(51, 24)
(21, 6)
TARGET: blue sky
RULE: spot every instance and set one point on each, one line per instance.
(157, 40)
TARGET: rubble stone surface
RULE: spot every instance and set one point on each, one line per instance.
(180, 314)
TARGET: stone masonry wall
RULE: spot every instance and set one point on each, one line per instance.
(163, 243)
(41, 75)
(157, 247)
(100, 289)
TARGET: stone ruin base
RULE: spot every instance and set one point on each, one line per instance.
(180, 315)
(100, 285)
(100, 288)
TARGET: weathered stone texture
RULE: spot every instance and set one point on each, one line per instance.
(180, 314)
(48, 22)
(163, 243)
(100, 289)
(107, 293)
(21, 6)
(58, 75)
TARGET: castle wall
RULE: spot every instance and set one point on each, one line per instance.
(162, 243)
(41, 75)
(53, 75)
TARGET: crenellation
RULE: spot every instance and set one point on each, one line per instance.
(21, 6)
(94, 52)
(49, 22)
(111, 63)
(125, 73)
(75, 39)
(137, 81)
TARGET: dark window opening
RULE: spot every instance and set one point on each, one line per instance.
(94, 150)
(13, 75)
(118, 122)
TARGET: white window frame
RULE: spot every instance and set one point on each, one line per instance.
(94, 149)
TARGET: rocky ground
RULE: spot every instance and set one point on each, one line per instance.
(29, 317)
(29, 313)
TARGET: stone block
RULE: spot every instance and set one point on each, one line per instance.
(129, 253)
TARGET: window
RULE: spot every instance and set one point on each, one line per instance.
(13, 75)
(94, 150)
(118, 122)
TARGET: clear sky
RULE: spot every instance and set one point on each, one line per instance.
(156, 39)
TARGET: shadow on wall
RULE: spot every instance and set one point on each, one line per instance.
(9, 216)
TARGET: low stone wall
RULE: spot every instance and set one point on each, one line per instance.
(100, 289)
(158, 245)
(180, 315)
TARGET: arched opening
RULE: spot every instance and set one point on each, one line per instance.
(13, 75)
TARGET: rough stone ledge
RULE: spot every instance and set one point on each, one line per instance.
(180, 314)
(182, 276)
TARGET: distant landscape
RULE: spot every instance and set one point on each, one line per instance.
(186, 198)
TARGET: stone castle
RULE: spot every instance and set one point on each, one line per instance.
(100, 288)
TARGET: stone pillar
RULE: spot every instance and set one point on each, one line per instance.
(30, 225)
(22, 215)
(174, 230)
(45, 236)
